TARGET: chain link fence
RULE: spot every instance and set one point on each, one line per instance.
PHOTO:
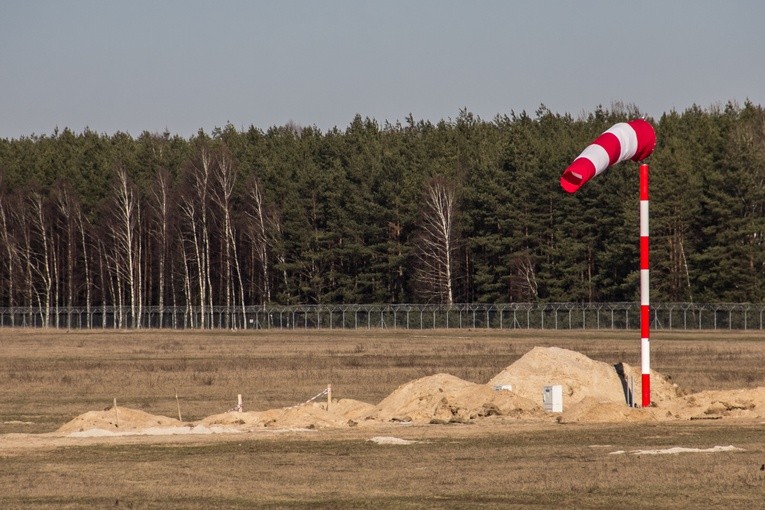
(669, 316)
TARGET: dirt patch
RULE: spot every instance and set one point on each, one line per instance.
(679, 449)
(391, 440)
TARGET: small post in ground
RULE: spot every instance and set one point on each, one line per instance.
(178, 403)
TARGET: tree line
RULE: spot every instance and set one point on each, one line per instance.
(463, 210)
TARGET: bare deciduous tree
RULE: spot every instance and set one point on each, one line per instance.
(81, 223)
(40, 262)
(127, 252)
(160, 193)
(194, 209)
(67, 213)
(11, 255)
(225, 179)
(523, 279)
(436, 243)
(265, 233)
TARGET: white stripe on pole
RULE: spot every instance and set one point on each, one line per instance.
(645, 288)
(645, 356)
(643, 218)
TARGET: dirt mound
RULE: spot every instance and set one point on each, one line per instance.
(742, 403)
(590, 410)
(118, 419)
(444, 398)
(581, 378)
(342, 413)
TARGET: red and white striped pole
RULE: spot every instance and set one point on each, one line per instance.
(645, 299)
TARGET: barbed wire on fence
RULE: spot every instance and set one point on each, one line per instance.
(670, 316)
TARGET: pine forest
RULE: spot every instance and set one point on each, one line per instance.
(465, 210)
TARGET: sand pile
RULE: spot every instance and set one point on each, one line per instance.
(743, 403)
(342, 413)
(119, 419)
(590, 410)
(593, 392)
(444, 398)
(580, 376)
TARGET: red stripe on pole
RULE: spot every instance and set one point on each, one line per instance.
(646, 390)
(645, 321)
(644, 182)
(644, 251)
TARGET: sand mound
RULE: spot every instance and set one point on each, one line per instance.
(590, 410)
(580, 376)
(342, 413)
(444, 398)
(117, 420)
(743, 403)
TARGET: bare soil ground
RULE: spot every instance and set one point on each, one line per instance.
(415, 420)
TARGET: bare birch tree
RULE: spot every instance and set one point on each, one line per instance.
(189, 317)
(81, 224)
(11, 256)
(160, 193)
(26, 253)
(264, 232)
(126, 243)
(40, 262)
(194, 209)
(225, 179)
(102, 272)
(523, 278)
(189, 212)
(436, 243)
(67, 214)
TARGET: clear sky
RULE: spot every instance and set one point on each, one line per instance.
(182, 65)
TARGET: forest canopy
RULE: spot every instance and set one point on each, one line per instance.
(463, 210)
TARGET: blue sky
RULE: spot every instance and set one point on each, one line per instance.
(182, 65)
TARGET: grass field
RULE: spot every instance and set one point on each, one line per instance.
(49, 377)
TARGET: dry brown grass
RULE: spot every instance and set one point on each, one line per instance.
(48, 377)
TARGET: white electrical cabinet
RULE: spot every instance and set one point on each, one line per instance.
(552, 398)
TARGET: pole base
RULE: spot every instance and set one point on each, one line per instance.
(646, 390)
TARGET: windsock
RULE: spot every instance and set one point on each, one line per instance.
(634, 140)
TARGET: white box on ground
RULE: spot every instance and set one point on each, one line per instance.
(552, 397)
(503, 387)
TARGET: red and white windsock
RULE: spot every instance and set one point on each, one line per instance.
(634, 140)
